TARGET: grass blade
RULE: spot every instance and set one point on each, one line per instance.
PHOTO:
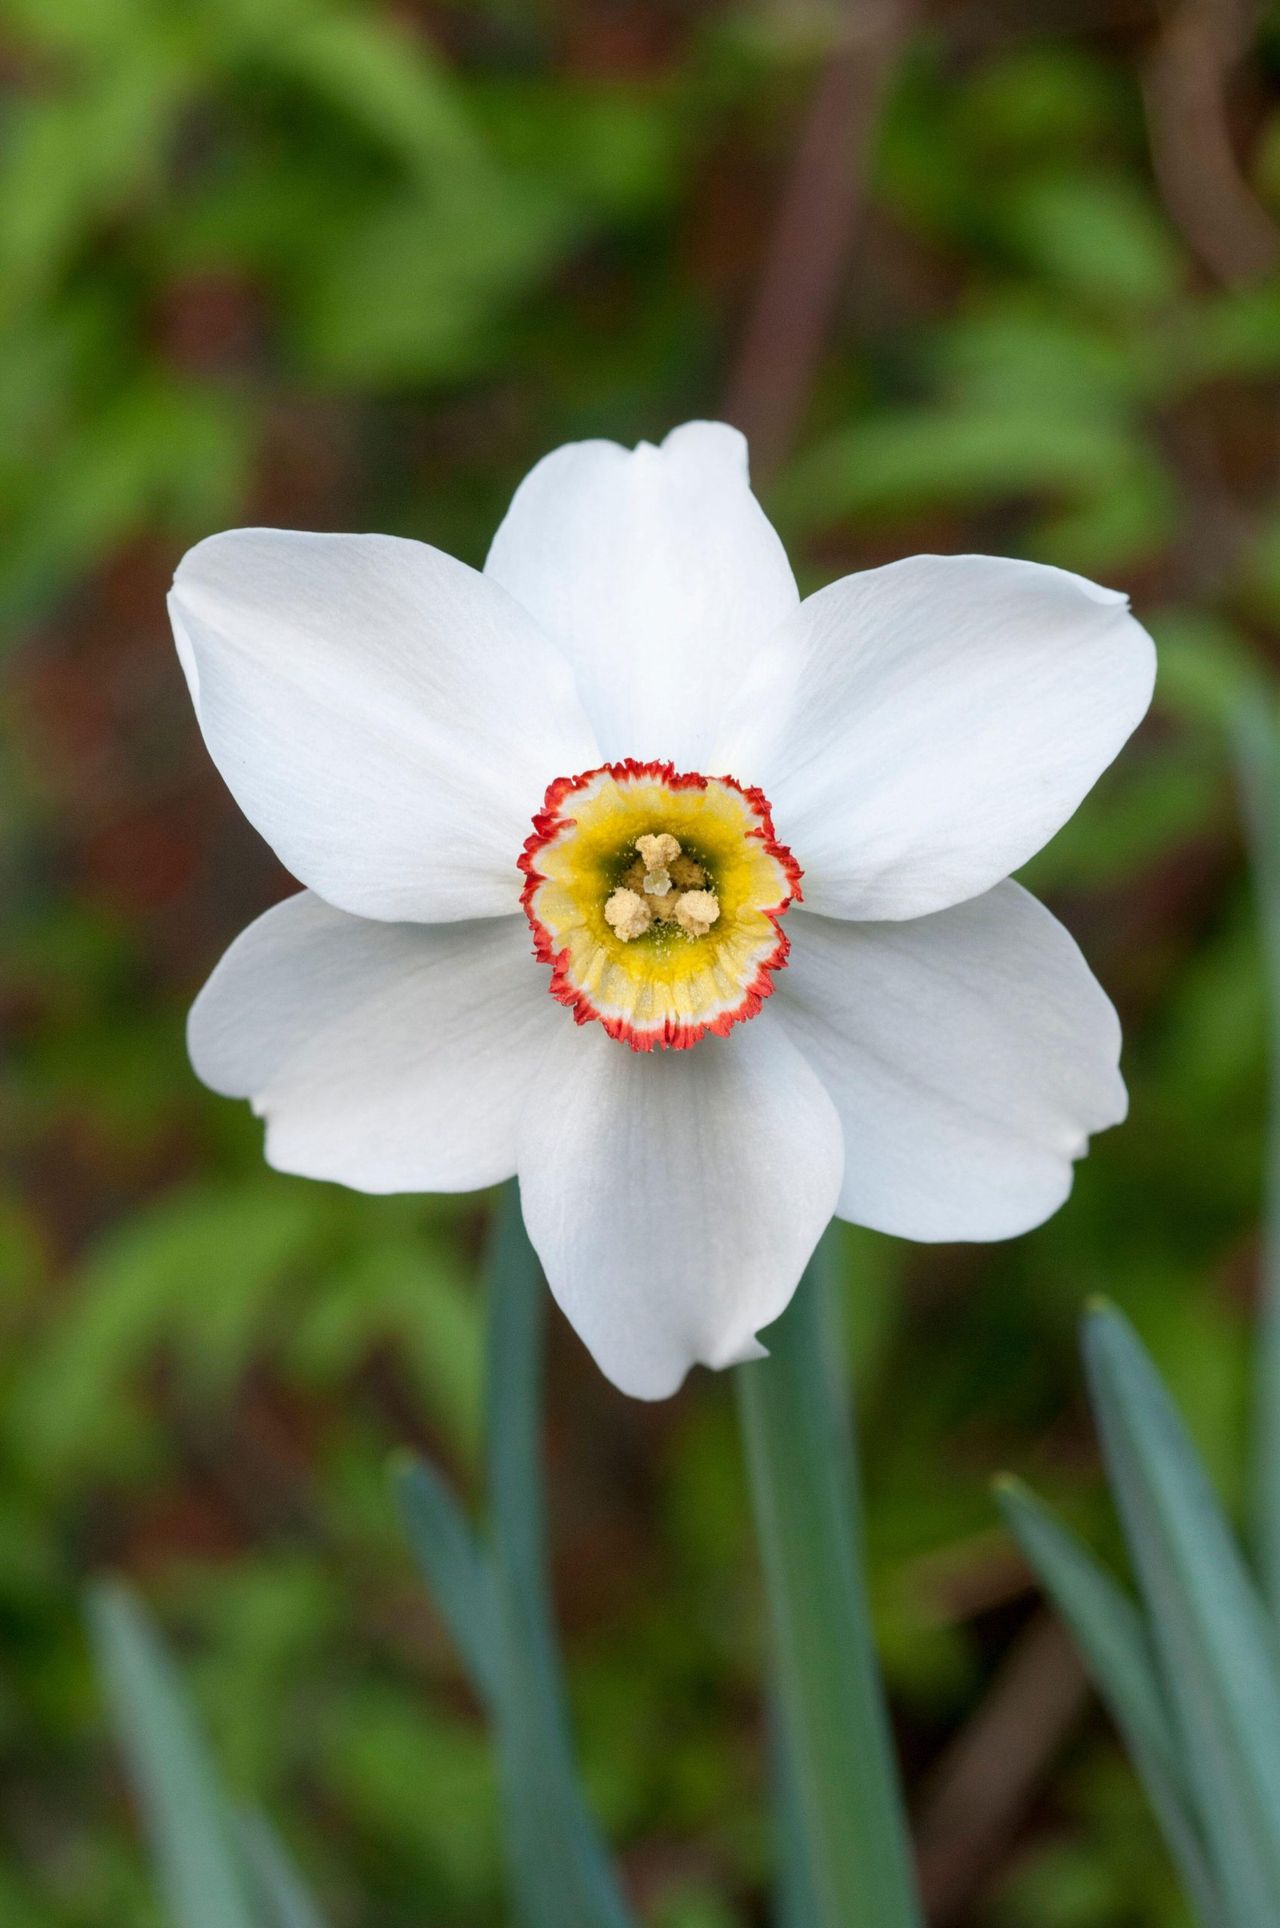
(1109, 1631)
(281, 1899)
(189, 1824)
(453, 1567)
(1212, 1637)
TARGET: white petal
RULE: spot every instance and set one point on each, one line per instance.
(675, 1198)
(658, 574)
(386, 717)
(969, 1053)
(389, 1057)
(949, 714)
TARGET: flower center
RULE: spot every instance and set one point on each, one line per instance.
(656, 896)
(662, 886)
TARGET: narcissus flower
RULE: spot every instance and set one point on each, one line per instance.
(631, 873)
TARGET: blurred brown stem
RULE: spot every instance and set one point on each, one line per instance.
(990, 1772)
(813, 231)
(1185, 86)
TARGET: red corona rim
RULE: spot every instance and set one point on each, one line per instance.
(669, 976)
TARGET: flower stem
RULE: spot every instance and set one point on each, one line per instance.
(493, 1590)
(560, 1874)
(802, 1468)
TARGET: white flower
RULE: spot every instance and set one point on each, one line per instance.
(451, 760)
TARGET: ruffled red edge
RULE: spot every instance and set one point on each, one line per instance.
(548, 824)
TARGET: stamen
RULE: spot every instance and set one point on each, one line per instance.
(627, 913)
(665, 885)
(657, 943)
(696, 911)
(655, 851)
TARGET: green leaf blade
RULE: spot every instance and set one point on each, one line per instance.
(188, 1822)
(494, 1594)
(453, 1567)
(560, 1869)
(280, 1898)
(1214, 1642)
(1109, 1631)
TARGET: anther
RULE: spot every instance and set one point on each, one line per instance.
(658, 851)
(627, 913)
(696, 911)
(662, 885)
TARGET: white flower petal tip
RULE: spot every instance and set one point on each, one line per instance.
(659, 575)
(385, 716)
(941, 718)
(330, 1025)
(971, 1054)
(675, 1199)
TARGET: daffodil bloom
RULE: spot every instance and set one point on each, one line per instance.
(632, 873)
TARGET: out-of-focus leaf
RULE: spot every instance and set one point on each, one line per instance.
(560, 1872)
(80, 26)
(1037, 101)
(1217, 1650)
(892, 464)
(1021, 352)
(1113, 530)
(387, 80)
(176, 452)
(192, 1834)
(1205, 668)
(416, 290)
(408, 1770)
(454, 1569)
(796, 1901)
(75, 158)
(609, 147)
(1117, 1650)
(1233, 332)
(1096, 234)
(421, 1306)
(497, 1605)
(279, 1895)
(1260, 569)
(145, 1281)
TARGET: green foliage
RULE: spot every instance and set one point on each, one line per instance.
(1194, 1678)
(844, 1859)
(215, 1870)
(358, 265)
(495, 1599)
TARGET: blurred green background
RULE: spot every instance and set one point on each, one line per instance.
(356, 266)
